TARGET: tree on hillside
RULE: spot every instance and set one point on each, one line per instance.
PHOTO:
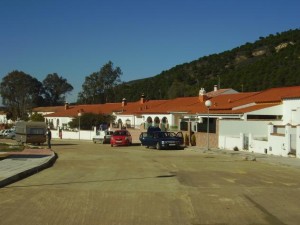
(99, 86)
(20, 92)
(245, 68)
(56, 88)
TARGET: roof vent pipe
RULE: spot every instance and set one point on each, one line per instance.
(143, 99)
(124, 102)
(215, 87)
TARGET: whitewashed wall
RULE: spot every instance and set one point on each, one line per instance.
(274, 110)
(277, 145)
(259, 141)
(74, 135)
(60, 120)
(160, 116)
(4, 120)
(258, 146)
(291, 111)
(235, 127)
(229, 142)
(124, 118)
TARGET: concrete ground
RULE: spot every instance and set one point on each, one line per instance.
(97, 184)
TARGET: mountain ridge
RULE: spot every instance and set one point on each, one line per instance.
(271, 61)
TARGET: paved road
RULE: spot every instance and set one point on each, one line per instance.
(96, 184)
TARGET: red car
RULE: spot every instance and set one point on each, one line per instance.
(120, 137)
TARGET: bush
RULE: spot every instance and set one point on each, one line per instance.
(186, 140)
(236, 149)
(193, 140)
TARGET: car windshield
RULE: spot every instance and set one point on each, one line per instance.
(166, 134)
(120, 133)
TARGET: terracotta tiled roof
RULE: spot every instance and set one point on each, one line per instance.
(94, 108)
(133, 108)
(254, 107)
(221, 103)
(48, 109)
(220, 92)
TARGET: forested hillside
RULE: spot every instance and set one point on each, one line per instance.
(271, 61)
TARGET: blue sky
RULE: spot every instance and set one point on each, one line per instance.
(75, 38)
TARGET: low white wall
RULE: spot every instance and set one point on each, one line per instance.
(235, 127)
(83, 135)
(277, 145)
(229, 142)
(258, 146)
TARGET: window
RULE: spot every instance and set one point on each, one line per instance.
(36, 131)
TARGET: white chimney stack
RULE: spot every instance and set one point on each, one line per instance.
(215, 87)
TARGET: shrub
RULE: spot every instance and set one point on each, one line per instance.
(235, 148)
(193, 140)
(186, 140)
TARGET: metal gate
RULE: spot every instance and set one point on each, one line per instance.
(246, 143)
(293, 144)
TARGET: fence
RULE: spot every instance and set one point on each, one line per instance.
(88, 134)
(280, 140)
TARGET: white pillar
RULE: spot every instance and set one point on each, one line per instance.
(298, 141)
(287, 141)
(270, 131)
(242, 139)
(250, 142)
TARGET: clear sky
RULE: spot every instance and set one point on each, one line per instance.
(75, 38)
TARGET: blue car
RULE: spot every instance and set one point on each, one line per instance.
(162, 140)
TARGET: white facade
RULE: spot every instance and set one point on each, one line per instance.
(137, 120)
(278, 137)
(291, 111)
(272, 111)
(3, 119)
(59, 121)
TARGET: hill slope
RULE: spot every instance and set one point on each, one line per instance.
(272, 61)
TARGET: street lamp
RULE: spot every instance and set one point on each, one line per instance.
(79, 115)
(208, 104)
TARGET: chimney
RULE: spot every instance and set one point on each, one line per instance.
(124, 102)
(143, 99)
(202, 95)
(66, 105)
(215, 87)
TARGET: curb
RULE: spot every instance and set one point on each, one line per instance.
(29, 172)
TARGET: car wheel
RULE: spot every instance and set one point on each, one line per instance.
(111, 145)
(158, 146)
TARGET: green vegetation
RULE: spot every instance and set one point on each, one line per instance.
(21, 92)
(193, 140)
(90, 120)
(37, 117)
(11, 148)
(272, 61)
(250, 67)
(186, 140)
(99, 86)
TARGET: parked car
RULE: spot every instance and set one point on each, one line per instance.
(102, 136)
(121, 137)
(1, 132)
(5, 133)
(11, 134)
(162, 140)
